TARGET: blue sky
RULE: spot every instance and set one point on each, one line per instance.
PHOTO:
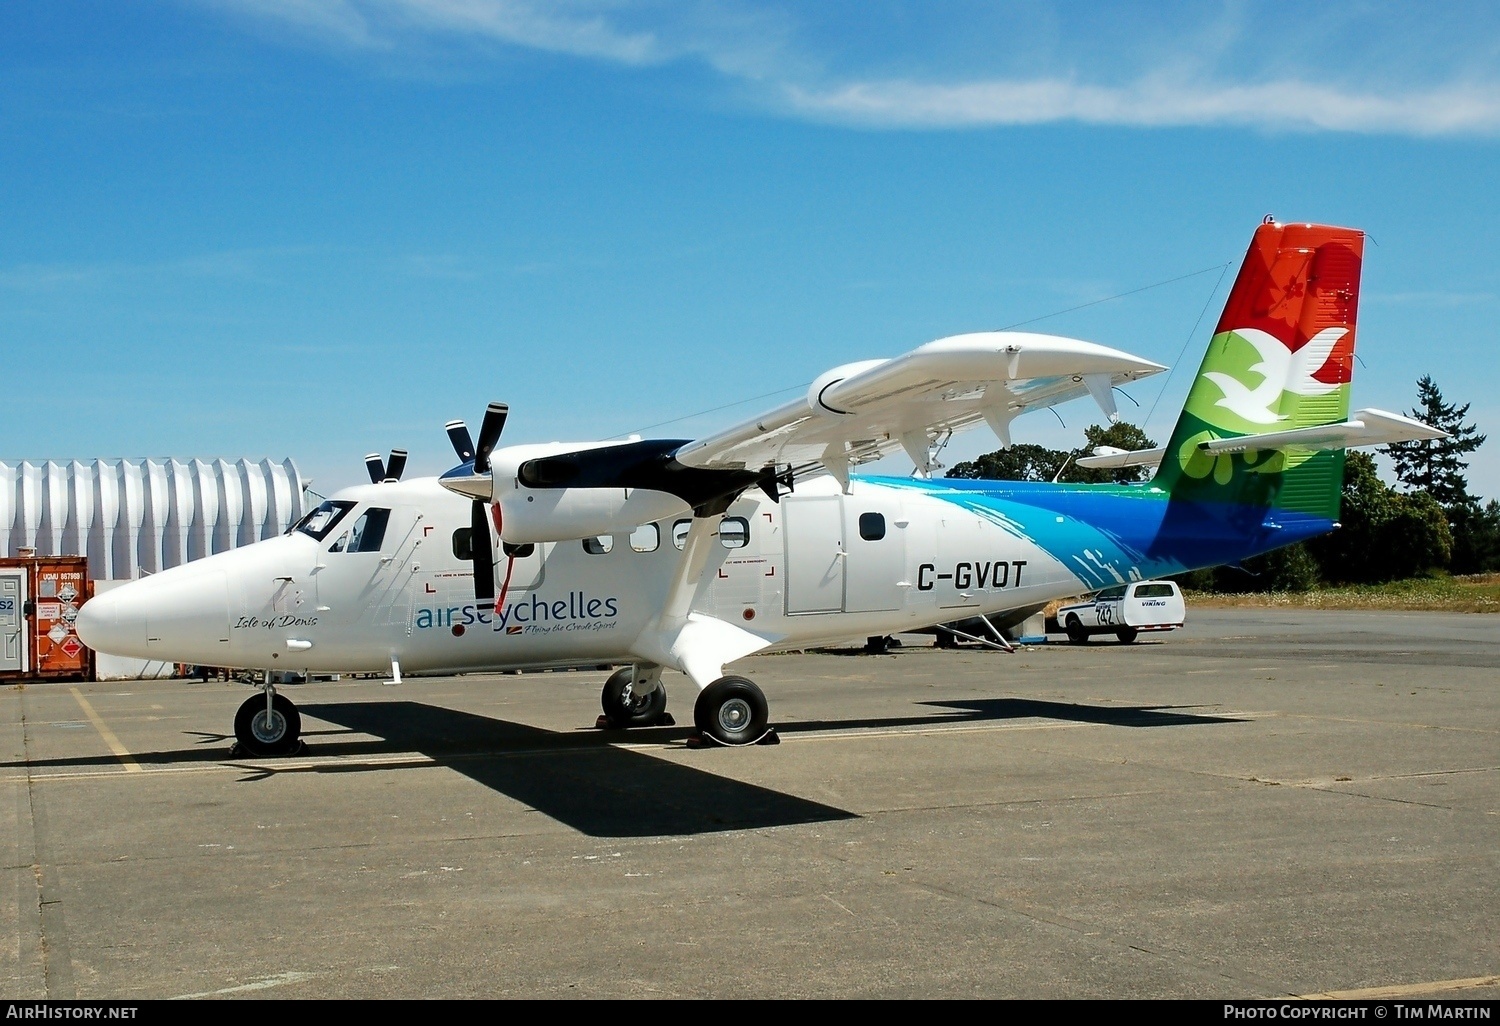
(317, 229)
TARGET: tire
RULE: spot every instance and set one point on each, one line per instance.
(732, 711)
(278, 736)
(1076, 634)
(1126, 635)
(640, 711)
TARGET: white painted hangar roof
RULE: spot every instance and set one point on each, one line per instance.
(138, 516)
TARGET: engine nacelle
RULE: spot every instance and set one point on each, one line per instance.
(565, 514)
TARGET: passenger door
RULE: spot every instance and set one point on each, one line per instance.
(814, 554)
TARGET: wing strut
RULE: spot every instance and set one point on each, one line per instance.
(697, 644)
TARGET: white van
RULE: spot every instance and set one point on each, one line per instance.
(1124, 611)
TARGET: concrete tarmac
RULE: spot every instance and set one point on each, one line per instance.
(1261, 805)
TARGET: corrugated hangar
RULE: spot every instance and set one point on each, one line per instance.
(69, 528)
(138, 516)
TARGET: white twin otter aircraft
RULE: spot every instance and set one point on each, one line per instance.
(690, 554)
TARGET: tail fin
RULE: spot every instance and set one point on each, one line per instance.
(1281, 358)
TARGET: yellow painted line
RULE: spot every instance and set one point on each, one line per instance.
(1406, 990)
(113, 743)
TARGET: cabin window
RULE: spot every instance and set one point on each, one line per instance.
(463, 543)
(871, 526)
(680, 532)
(599, 545)
(369, 531)
(646, 538)
(526, 549)
(734, 532)
(338, 546)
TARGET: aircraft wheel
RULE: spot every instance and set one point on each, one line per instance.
(636, 711)
(259, 734)
(1127, 635)
(1076, 634)
(732, 711)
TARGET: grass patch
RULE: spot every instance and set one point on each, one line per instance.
(1478, 593)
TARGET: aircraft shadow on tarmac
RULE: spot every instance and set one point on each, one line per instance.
(585, 779)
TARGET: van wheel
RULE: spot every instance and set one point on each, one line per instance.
(1076, 634)
(1126, 635)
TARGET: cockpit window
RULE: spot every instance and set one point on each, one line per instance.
(318, 523)
(369, 530)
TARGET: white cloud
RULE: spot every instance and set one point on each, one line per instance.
(1283, 104)
(1374, 70)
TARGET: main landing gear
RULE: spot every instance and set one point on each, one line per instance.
(268, 724)
(732, 711)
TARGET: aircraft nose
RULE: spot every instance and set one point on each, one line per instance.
(171, 617)
(106, 624)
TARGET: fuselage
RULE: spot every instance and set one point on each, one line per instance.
(386, 576)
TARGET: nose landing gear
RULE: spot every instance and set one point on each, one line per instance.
(634, 698)
(268, 724)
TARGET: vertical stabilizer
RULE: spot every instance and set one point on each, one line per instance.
(1281, 357)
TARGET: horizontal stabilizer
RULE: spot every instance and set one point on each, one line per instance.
(1114, 458)
(1366, 427)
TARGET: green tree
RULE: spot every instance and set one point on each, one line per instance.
(1292, 568)
(1436, 465)
(1384, 535)
(1121, 435)
(1038, 463)
(1476, 537)
(1017, 463)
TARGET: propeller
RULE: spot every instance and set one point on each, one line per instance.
(482, 546)
(380, 471)
(489, 434)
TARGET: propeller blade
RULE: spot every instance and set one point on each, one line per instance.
(489, 434)
(483, 552)
(458, 434)
(375, 467)
(397, 464)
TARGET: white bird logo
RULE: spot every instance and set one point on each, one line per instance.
(1282, 371)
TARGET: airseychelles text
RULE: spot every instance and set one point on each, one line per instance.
(533, 611)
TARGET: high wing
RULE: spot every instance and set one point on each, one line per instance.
(862, 411)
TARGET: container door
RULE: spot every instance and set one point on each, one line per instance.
(61, 587)
(12, 623)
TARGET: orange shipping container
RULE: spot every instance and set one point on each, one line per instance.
(39, 601)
